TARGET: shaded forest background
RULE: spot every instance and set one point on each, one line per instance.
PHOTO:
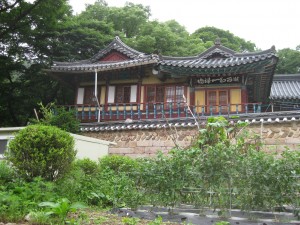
(33, 34)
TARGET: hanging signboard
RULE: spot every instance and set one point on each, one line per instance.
(216, 80)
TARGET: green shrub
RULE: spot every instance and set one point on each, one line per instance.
(62, 208)
(43, 151)
(88, 166)
(65, 120)
(79, 182)
(11, 209)
(6, 173)
(118, 163)
(53, 115)
(19, 198)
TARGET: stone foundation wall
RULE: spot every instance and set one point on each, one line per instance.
(144, 143)
(278, 136)
(141, 143)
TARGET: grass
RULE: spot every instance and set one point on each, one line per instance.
(96, 217)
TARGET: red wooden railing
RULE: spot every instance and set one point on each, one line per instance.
(138, 111)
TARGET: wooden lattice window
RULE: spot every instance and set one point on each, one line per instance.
(164, 94)
(217, 99)
(122, 94)
(89, 96)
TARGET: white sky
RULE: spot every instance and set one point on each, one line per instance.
(264, 22)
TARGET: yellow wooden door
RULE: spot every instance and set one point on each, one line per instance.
(200, 100)
(235, 100)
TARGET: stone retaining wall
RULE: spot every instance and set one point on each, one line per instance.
(142, 143)
(278, 136)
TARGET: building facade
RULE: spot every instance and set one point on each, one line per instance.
(120, 83)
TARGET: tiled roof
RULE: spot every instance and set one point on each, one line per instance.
(285, 87)
(103, 66)
(217, 57)
(276, 117)
(136, 58)
(121, 47)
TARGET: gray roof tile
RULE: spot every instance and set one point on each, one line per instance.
(135, 58)
(266, 118)
(285, 86)
(217, 56)
(285, 90)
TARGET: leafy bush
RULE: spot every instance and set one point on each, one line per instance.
(64, 119)
(104, 188)
(6, 173)
(88, 166)
(163, 177)
(62, 208)
(19, 198)
(118, 163)
(78, 184)
(59, 117)
(11, 207)
(40, 150)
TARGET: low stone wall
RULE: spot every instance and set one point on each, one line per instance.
(278, 136)
(144, 143)
(141, 143)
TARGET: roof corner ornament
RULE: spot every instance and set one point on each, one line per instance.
(218, 41)
(273, 48)
(155, 70)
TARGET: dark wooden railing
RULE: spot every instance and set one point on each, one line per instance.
(138, 111)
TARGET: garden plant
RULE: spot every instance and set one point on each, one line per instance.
(223, 169)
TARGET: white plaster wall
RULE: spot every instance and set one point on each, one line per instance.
(86, 147)
(90, 148)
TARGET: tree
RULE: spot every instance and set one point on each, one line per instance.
(289, 61)
(168, 38)
(15, 14)
(27, 33)
(209, 34)
(40, 150)
(59, 117)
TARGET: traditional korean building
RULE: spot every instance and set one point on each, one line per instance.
(131, 85)
(285, 92)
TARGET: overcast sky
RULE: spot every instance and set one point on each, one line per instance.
(264, 22)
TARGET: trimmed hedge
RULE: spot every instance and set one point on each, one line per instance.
(40, 150)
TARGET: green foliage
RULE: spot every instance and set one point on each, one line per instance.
(209, 34)
(88, 166)
(53, 115)
(18, 198)
(164, 177)
(11, 207)
(76, 185)
(223, 169)
(61, 208)
(222, 223)
(81, 183)
(39, 218)
(6, 173)
(40, 150)
(130, 221)
(158, 221)
(289, 61)
(28, 32)
(118, 163)
(105, 187)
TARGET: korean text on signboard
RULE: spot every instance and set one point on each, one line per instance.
(218, 80)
